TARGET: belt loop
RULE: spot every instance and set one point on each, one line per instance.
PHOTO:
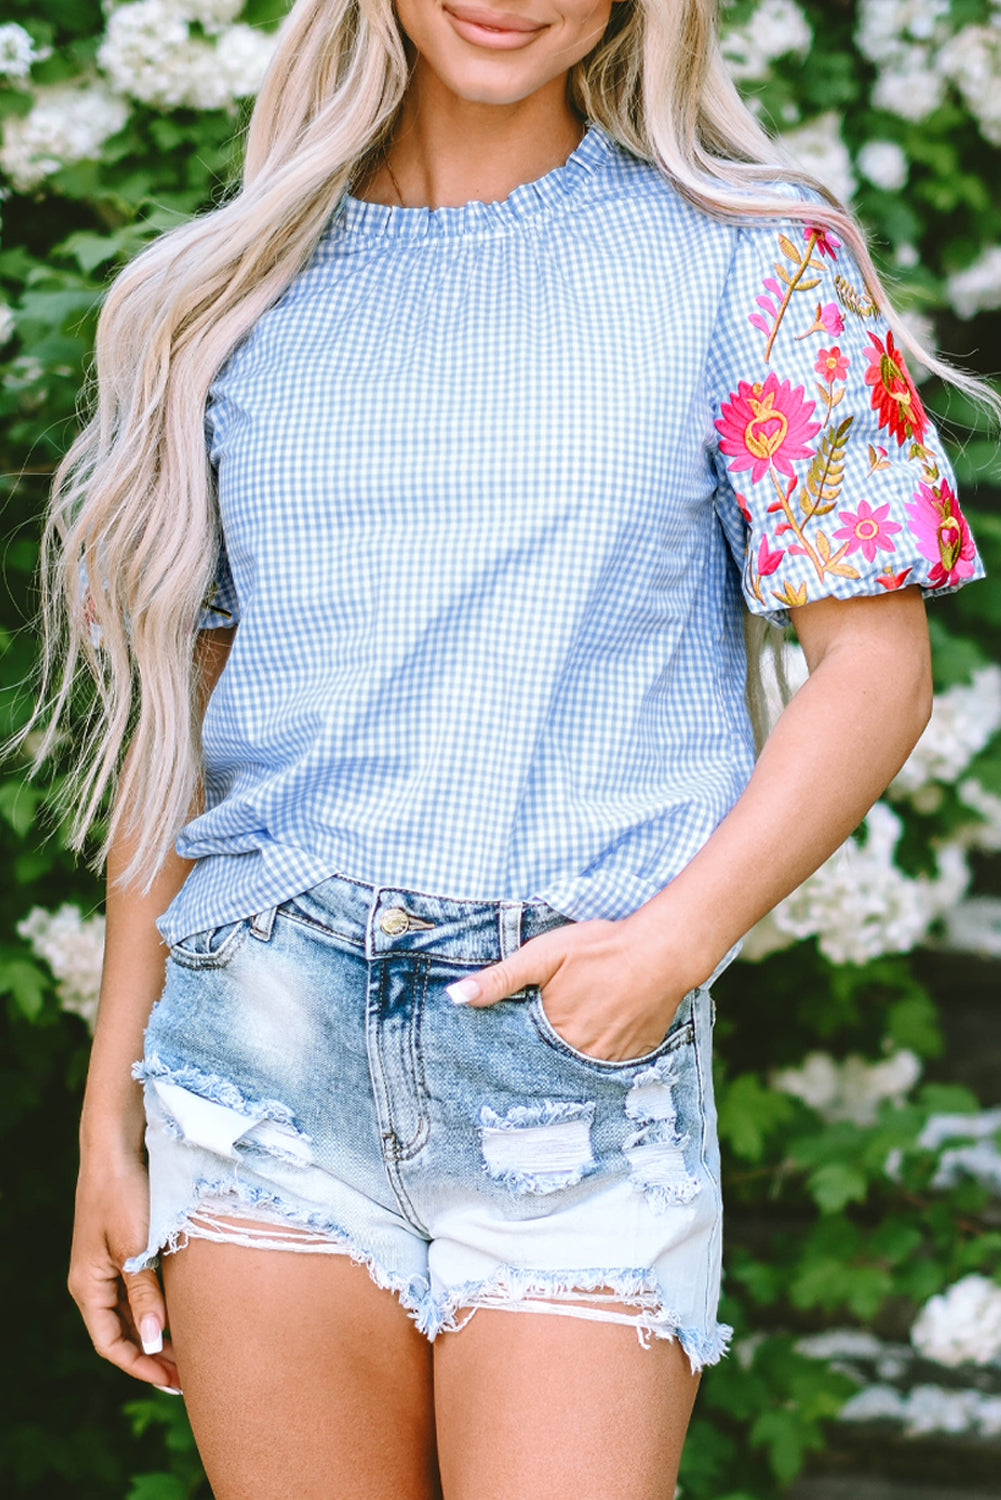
(510, 927)
(262, 924)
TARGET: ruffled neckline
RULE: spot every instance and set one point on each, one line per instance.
(559, 186)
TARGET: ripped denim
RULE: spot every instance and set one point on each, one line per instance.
(310, 1087)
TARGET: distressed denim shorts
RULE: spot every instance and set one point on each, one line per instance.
(307, 1076)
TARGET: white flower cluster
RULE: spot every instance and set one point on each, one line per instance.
(972, 59)
(67, 123)
(961, 1325)
(918, 54)
(150, 53)
(927, 1409)
(852, 1089)
(979, 1157)
(859, 904)
(986, 832)
(17, 51)
(818, 148)
(963, 720)
(73, 947)
(884, 164)
(776, 29)
(977, 288)
(901, 37)
(6, 322)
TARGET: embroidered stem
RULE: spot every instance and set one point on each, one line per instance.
(790, 288)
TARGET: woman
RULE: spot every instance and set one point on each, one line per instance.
(523, 354)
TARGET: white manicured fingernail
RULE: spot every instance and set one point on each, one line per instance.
(151, 1335)
(169, 1390)
(463, 991)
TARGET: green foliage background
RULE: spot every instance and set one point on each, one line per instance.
(818, 1233)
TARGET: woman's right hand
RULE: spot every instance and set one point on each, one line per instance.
(125, 1314)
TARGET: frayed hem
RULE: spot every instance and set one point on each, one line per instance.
(223, 1200)
(516, 1289)
(214, 1089)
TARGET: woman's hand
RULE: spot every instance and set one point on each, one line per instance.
(605, 989)
(125, 1315)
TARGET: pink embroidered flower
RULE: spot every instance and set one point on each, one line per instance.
(831, 364)
(767, 561)
(766, 424)
(866, 529)
(942, 533)
(894, 394)
(830, 317)
(825, 241)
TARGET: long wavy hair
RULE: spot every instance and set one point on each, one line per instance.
(133, 514)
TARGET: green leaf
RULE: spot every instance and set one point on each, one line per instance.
(18, 804)
(835, 1184)
(749, 1112)
(158, 1487)
(26, 984)
(787, 1439)
(913, 1023)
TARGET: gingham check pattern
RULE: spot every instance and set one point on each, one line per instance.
(485, 556)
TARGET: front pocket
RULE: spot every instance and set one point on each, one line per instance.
(680, 1033)
(213, 948)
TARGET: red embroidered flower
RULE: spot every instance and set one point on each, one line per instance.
(766, 424)
(831, 364)
(767, 561)
(891, 581)
(825, 241)
(894, 394)
(867, 529)
(942, 533)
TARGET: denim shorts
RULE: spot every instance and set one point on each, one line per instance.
(307, 1076)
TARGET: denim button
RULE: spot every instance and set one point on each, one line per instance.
(394, 921)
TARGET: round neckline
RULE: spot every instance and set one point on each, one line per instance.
(557, 186)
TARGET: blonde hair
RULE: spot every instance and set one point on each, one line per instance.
(133, 510)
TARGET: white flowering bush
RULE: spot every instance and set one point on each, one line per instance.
(961, 1325)
(73, 947)
(860, 1187)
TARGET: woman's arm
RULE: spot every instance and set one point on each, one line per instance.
(112, 1194)
(611, 988)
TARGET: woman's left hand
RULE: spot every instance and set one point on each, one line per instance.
(605, 989)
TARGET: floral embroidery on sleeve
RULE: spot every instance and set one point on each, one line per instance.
(794, 432)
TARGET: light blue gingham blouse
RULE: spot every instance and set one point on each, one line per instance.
(495, 485)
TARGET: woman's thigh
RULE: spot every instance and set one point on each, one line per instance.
(302, 1378)
(542, 1406)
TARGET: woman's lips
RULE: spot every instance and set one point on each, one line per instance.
(488, 28)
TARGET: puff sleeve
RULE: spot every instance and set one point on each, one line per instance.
(220, 607)
(832, 478)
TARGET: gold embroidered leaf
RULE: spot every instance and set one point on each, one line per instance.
(826, 472)
(791, 250)
(790, 595)
(823, 546)
(807, 283)
(782, 273)
(842, 570)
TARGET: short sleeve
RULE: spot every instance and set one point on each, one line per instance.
(220, 607)
(832, 478)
